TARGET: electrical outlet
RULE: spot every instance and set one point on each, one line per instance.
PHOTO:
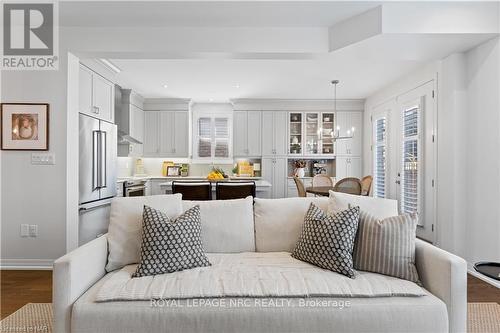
(43, 159)
(24, 232)
(33, 230)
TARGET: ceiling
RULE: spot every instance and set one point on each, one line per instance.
(217, 51)
(210, 13)
(362, 68)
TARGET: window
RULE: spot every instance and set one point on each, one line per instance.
(410, 175)
(380, 157)
(212, 137)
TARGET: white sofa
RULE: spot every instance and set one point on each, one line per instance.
(79, 275)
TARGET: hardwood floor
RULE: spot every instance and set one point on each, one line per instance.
(21, 287)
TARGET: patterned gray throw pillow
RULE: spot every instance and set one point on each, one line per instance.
(170, 246)
(327, 241)
(387, 246)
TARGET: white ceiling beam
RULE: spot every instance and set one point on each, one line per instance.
(355, 29)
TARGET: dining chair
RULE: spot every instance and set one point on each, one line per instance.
(322, 180)
(234, 190)
(197, 191)
(300, 186)
(348, 185)
(366, 185)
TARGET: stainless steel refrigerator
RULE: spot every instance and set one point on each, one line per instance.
(97, 168)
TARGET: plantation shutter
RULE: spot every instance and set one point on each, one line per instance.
(380, 157)
(221, 137)
(205, 137)
(410, 202)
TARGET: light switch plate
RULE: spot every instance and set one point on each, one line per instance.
(25, 230)
(43, 159)
(33, 230)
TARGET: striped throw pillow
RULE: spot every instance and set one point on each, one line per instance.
(387, 246)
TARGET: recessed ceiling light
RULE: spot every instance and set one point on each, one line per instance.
(237, 86)
(211, 99)
(165, 86)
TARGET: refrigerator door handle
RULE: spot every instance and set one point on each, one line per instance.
(95, 160)
(103, 167)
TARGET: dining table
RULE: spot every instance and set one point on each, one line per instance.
(320, 190)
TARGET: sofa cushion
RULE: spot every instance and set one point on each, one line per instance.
(226, 225)
(170, 246)
(327, 241)
(387, 246)
(278, 222)
(379, 208)
(125, 224)
(250, 314)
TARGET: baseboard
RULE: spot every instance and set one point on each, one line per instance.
(26, 264)
(473, 272)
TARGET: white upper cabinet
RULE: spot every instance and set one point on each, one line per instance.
(247, 133)
(166, 134)
(348, 167)
(96, 95)
(274, 133)
(151, 143)
(346, 121)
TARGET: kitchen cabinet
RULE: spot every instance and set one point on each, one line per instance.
(274, 129)
(274, 171)
(96, 95)
(155, 188)
(346, 121)
(166, 134)
(247, 133)
(310, 133)
(348, 167)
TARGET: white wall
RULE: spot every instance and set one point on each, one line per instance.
(468, 143)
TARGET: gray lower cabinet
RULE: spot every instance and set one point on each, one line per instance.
(274, 171)
(166, 134)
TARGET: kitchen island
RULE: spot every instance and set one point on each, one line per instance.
(262, 187)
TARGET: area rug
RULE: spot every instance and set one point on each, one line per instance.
(37, 317)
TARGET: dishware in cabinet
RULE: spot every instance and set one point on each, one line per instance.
(327, 132)
(295, 130)
(312, 133)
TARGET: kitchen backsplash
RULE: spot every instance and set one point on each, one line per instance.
(153, 166)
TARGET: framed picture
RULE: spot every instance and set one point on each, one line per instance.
(173, 170)
(25, 126)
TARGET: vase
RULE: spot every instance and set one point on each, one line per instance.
(300, 172)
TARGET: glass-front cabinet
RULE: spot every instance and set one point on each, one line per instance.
(311, 133)
(295, 133)
(327, 131)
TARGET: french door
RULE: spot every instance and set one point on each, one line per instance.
(416, 163)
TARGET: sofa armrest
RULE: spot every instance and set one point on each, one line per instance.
(73, 274)
(444, 275)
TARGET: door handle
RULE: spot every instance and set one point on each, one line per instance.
(96, 109)
(398, 182)
(95, 160)
(103, 169)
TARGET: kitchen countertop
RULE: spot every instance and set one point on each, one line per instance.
(258, 183)
(124, 179)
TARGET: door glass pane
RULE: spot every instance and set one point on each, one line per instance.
(380, 158)
(410, 161)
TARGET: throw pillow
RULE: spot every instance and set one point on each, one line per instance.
(170, 246)
(327, 240)
(380, 208)
(125, 225)
(387, 246)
